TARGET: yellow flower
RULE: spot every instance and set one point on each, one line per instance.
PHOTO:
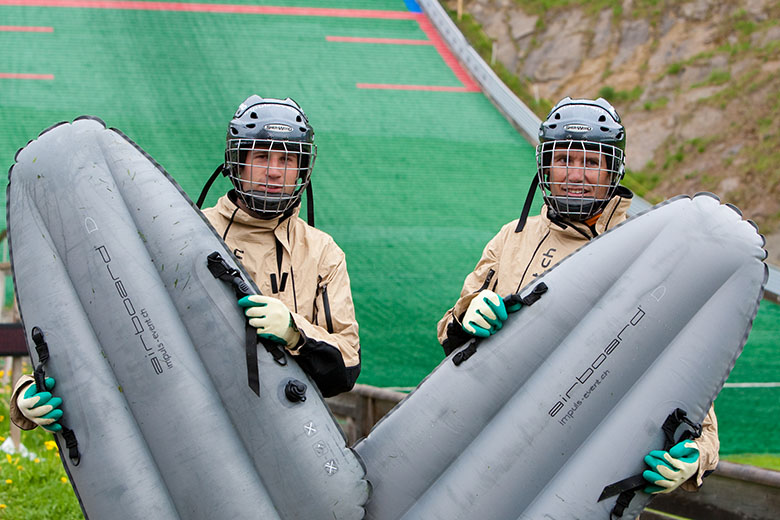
(9, 481)
(2, 418)
(20, 468)
(1, 437)
(2, 373)
(51, 445)
(9, 458)
(64, 480)
(2, 506)
(37, 460)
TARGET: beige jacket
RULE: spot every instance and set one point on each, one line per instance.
(304, 268)
(511, 260)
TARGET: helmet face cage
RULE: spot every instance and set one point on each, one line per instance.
(269, 176)
(578, 178)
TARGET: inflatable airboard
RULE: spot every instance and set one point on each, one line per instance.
(147, 347)
(571, 394)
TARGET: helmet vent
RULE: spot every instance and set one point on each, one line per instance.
(602, 118)
(604, 129)
(253, 115)
(302, 129)
(557, 115)
(233, 130)
(553, 126)
(298, 118)
(250, 125)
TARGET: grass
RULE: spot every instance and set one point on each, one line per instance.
(762, 460)
(37, 488)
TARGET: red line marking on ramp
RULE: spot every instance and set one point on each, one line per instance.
(215, 8)
(432, 88)
(469, 85)
(13, 75)
(433, 35)
(20, 28)
(392, 41)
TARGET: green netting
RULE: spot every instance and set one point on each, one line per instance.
(411, 184)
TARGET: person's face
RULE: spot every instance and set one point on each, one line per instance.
(579, 173)
(270, 171)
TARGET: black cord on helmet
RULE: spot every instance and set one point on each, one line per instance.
(220, 169)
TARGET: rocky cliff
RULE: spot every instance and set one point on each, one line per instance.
(697, 84)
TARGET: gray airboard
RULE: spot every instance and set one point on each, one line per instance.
(571, 394)
(147, 347)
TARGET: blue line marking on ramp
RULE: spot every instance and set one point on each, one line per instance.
(413, 6)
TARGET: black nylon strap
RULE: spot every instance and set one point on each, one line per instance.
(208, 184)
(531, 298)
(463, 355)
(310, 204)
(527, 206)
(623, 500)
(40, 345)
(42, 349)
(627, 488)
(72, 444)
(221, 270)
(632, 483)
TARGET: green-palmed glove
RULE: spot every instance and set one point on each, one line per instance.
(41, 407)
(271, 318)
(672, 468)
(486, 314)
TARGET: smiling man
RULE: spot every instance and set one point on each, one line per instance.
(580, 161)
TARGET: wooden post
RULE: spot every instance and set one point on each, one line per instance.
(6, 370)
(460, 9)
(16, 371)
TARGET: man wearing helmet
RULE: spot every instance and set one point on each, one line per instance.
(580, 162)
(306, 302)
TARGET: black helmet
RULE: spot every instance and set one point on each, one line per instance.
(586, 137)
(262, 126)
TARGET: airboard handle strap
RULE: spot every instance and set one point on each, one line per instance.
(531, 298)
(42, 349)
(221, 270)
(628, 487)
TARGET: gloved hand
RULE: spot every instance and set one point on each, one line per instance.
(486, 314)
(271, 318)
(672, 468)
(41, 407)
